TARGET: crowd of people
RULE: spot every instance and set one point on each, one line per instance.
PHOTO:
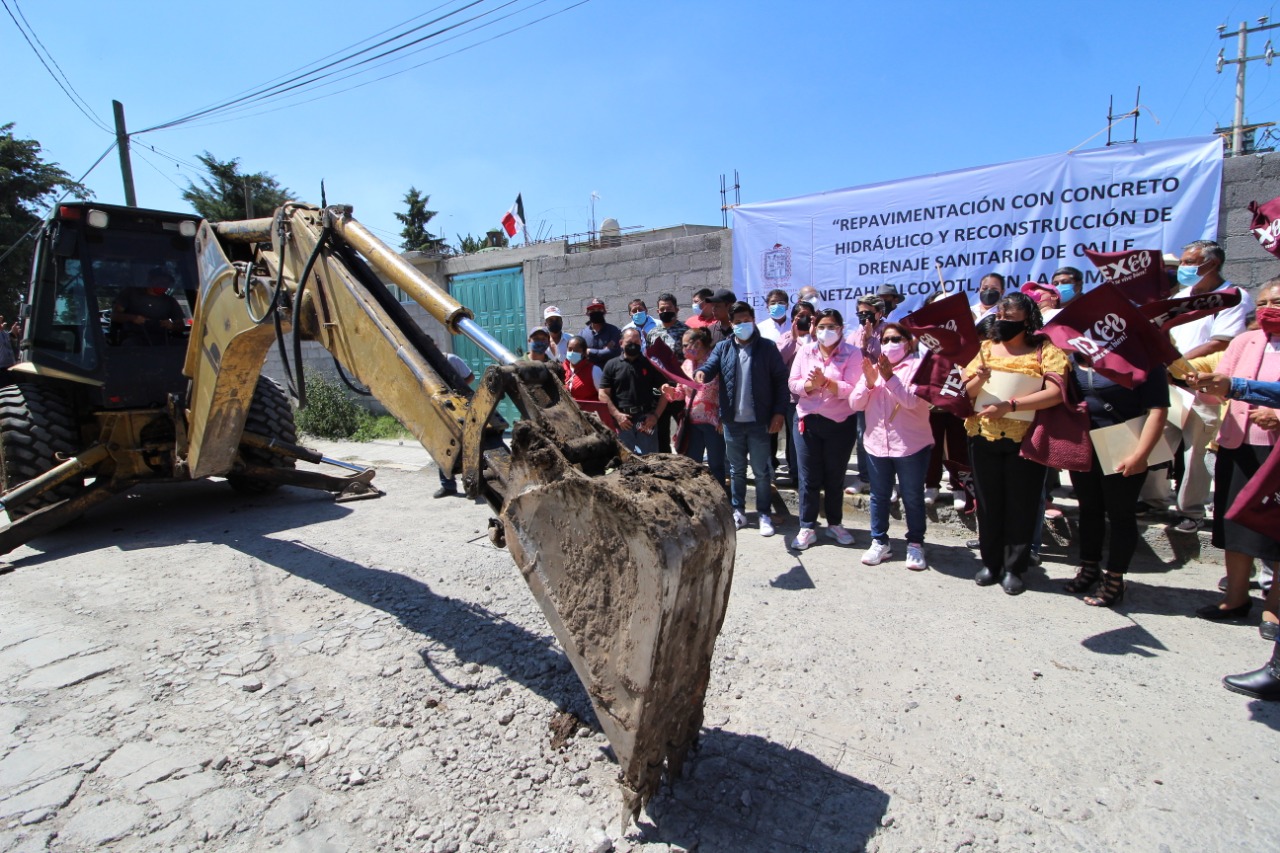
(722, 386)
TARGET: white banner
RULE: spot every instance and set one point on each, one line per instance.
(1023, 220)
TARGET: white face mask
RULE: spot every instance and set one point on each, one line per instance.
(813, 300)
(827, 337)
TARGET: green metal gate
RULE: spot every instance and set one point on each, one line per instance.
(497, 299)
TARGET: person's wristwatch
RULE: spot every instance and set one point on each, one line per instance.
(1013, 404)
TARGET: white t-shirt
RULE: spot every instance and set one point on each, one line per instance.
(772, 330)
(1222, 326)
(460, 367)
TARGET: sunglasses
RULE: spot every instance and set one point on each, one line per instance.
(894, 340)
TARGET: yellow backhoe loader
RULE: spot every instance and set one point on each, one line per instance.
(144, 337)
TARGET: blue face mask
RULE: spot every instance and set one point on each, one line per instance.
(640, 318)
(1066, 292)
(575, 357)
(777, 311)
(742, 331)
(1187, 276)
(539, 346)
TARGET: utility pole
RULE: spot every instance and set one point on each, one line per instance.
(1241, 60)
(122, 145)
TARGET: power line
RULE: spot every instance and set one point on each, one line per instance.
(242, 109)
(401, 71)
(48, 53)
(157, 169)
(285, 86)
(40, 57)
(58, 201)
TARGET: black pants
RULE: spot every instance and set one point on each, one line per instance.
(1010, 500)
(1108, 498)
(669, 414)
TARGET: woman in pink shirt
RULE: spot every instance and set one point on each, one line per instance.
(702, 406)
(899, 442)
(1245, 438)
(822, 378)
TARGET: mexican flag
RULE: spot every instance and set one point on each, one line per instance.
(513, 220)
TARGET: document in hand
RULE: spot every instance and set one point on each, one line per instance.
(1005, 385)
(1114, 444)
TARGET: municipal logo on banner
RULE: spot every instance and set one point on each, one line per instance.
(777, 265)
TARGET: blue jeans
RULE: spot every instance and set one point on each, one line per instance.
(860, 419)
(739, 441)
(909, 472)
(705, 438)
(638, 442)
(822, 453)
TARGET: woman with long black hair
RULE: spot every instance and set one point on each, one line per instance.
(1017, 372)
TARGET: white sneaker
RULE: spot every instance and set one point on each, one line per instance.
(930, 496)
(838, 533)
(959, 500)
(804, 539)
(915, 558)
(739, 520)
(895, 495)
(766, 525)
(876, 554)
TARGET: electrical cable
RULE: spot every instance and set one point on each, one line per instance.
(97, 122)
(280, 88)
(102, 123)
(394, 73)
(36, 227)
(158, 170)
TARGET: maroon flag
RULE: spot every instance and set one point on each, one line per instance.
(1111, 332)
(946, 328)
(1266, 224)
(1138, 273)
(1257, 507)
(941, 382)
(1174, 312)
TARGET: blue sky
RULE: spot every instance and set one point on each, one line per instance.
(644, 103)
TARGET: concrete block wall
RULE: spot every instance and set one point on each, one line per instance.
(677, 265)
(1254, 177)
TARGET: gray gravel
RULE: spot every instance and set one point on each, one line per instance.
(189, 669)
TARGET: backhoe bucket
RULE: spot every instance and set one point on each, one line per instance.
(632, 570)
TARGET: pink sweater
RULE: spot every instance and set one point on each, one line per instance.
(1246, 358)
(897, 420)
(844, 366)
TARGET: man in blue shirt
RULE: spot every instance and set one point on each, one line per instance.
(753, 405)
(604, 340)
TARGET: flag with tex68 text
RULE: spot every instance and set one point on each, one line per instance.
(945, 329)
(1110, 331)
(513, 219)
(1139, 273)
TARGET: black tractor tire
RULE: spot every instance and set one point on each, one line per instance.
(37, 432)
(270, 415)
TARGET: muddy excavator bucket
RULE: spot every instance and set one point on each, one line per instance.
(632, 569)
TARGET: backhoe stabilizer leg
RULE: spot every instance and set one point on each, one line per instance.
(355, 487)
(632, 570)
(50, 518)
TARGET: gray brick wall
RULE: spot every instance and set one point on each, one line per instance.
(1245, 179)
(678, 265)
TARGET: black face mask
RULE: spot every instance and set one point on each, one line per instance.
(866, 318)
(803, 324)
(554, 325)
(666, 316)
(596, 316)
(1005, 330)
(632, 350)
(989, 297)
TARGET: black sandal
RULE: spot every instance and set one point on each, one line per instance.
(1111, 593)
(1086, 576)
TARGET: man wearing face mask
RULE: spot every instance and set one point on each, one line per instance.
(809, 294)
(640, 320)
(701, 318)
(777, 304)
(1199, 272)
(990, 289)
(669, 332)
(554, 321)
(1069, 282)
(604, 340)
(631, 388)
(753, 405)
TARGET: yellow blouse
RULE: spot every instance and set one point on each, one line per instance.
(1050, 359)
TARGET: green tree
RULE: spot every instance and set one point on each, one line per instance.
(28, 185)
(221, 195)
(470, 245)
(416, 236)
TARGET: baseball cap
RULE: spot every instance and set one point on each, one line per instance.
(595, 305)
(1034, 289)
(537, 329)
(723, 295)
(552, 311)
